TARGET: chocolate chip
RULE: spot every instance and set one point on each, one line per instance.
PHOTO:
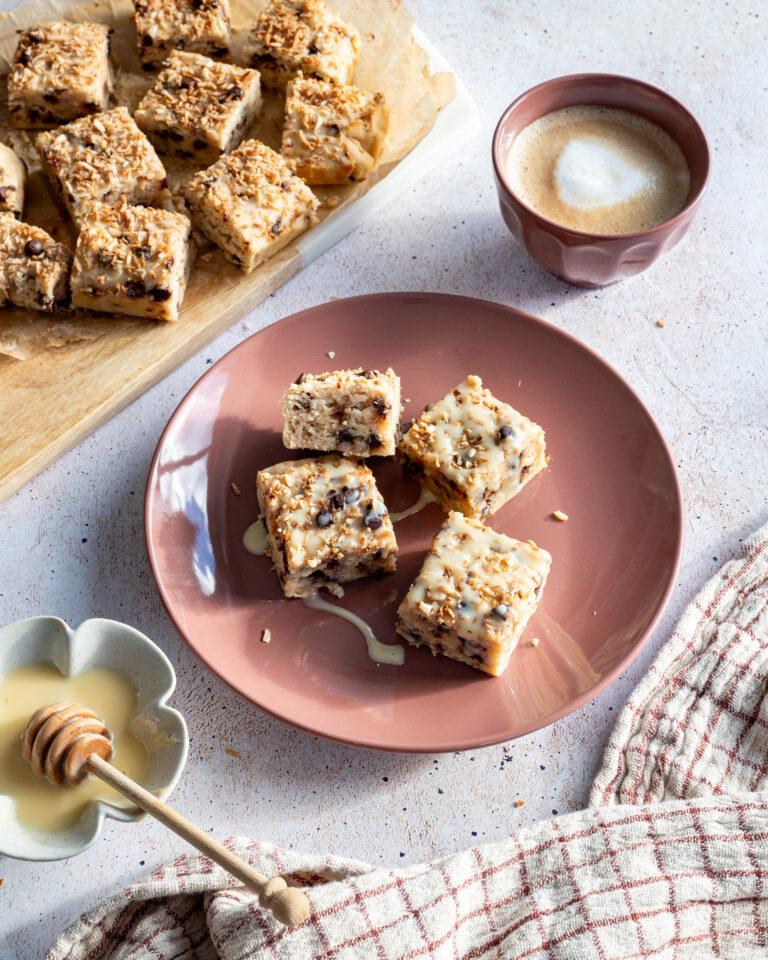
(234, 93)
(220, 51)
(33, 248)
(180, 43)
(380, 406)
(504, 431)
(368, 374)
(334, 129)
(91, 108)
(299, 379)
(34, 37)
(372, 520)
(186, 82)
(4, 191)
(146, 40)
(324, 519)
(276, 227)
(184, 154)
(26, 57)
(337, 501)
(50, 98)
(158, 294)
(312, 49)
(148, 67)
(135, 289)
(374, 441)
(501, 610)
(175, 136)
(196, 4)
(345, 436)
(164, 183)
(351, 494)
(199, 144)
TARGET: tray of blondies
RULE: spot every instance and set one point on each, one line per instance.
(167, 164)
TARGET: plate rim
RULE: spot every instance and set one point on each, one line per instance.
(477, 742)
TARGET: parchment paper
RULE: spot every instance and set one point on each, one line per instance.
(390, 61)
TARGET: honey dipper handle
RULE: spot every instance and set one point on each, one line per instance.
(287, 904)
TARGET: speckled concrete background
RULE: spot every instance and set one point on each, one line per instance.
(72, 541)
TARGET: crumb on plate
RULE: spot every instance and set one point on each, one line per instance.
(235, 489)
(266, 635)
(559, 515)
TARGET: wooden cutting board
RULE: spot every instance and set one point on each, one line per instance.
(56, 397)
(49, 402)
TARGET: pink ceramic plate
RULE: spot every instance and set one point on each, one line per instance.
(615, 560)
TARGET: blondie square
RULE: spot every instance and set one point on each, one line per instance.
(474, 594)
(13, 176)
(473, 452)
(333, 133)
(293, 36)
(356, 412)
(34, 268)
(199, 108)
(133, 260)
(102, 158)
(326, 524)
(250, 204)
(199, 26)
(61, 71)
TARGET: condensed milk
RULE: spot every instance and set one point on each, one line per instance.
(38, 803)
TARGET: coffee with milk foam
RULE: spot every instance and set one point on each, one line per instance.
(599, 170)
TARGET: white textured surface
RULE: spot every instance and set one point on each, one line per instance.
(72, 540)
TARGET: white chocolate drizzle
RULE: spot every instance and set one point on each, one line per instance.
(425, 497)
(255, 538)
(378, 652)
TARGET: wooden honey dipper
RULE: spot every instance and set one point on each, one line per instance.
(64, 743)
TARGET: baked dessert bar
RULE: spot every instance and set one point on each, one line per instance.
(333, 133)
(102, 158)
(472, 451)
(34, 268)
(13, 175)
(301, 35)
(474, 594)
(199, 26)
(199, 108)
(61, 71)
(133, 260)
(250, 204)
(356, 412)
(326, 524)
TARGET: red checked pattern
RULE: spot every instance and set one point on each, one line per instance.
(669, 862)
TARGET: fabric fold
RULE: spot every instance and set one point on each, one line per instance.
(670, 861)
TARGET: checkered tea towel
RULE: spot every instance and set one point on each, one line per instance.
(670, 861)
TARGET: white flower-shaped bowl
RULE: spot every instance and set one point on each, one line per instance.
(113, 646)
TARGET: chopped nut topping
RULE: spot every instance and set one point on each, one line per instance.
(102, 158)
(302, 35)
(202, 26)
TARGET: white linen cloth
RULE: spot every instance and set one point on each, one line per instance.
(670, 861)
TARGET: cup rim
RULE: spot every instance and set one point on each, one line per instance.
(581, 234)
